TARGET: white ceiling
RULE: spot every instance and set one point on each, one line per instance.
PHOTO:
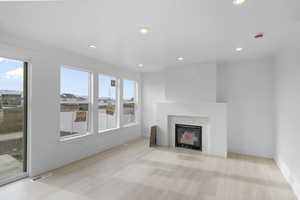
(198, 30)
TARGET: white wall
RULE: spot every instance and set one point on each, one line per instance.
(153, 90)
(46, 151)
(191, 83)
(288, 116)
(180, 84)
(247, 87)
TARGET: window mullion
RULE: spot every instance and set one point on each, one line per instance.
(121, 103)
(94, 103)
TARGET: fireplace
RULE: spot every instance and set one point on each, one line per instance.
(188, 136)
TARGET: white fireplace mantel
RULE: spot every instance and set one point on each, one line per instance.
(215, 113)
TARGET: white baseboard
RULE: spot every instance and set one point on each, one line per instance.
(289, 177)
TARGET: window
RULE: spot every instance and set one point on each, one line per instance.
(74, 102)
(107, 103)
(129, 101)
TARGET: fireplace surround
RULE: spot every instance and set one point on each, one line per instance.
(211, 116)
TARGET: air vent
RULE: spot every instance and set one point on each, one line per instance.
(39, 177)
(36, 178)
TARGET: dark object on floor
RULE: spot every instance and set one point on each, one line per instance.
(153, 136)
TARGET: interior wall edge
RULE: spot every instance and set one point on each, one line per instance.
(285, 170)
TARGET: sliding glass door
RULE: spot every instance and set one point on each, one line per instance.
(13, 119)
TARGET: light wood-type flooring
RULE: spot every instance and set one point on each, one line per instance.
(137, 172)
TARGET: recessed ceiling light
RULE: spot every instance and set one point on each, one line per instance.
(180, 58)
(92, 46)
(141, 65)
(239, 49)
(238, 2)
(144, 30)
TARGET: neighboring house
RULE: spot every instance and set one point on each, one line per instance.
(70, 102)
(106, 101)
(10, 100)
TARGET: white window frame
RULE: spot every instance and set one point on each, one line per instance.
(90, 104)
(118, 113)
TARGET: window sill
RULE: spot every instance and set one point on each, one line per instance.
(108, 131)
(75, 136)
(130, 125)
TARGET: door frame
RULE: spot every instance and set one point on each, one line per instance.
(24, 173)
(25, 114)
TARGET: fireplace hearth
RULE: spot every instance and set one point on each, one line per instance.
(188, 136)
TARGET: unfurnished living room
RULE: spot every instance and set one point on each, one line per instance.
(149, 100)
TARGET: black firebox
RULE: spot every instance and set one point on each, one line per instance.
(188, 136)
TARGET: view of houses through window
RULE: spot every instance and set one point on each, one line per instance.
(129, 101)
(107, 102)
(74, 101)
